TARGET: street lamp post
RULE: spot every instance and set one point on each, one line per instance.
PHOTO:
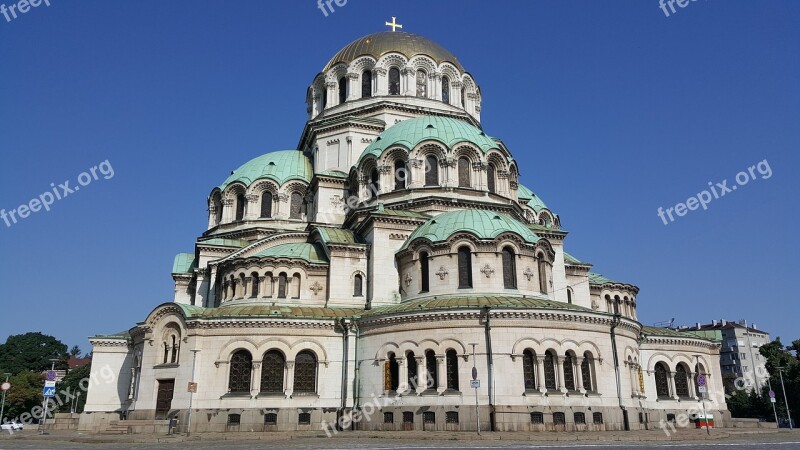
(3, 407)
(617, 319)
(191, 393)
(786, 400)
(702, 395)
(474, 371)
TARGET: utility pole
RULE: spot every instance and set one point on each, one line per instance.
(616, 320)
(191, 393)
(786, 400)
(772, 400)
(702, 394)
(3, 407)
(474, 375)
(47, 401)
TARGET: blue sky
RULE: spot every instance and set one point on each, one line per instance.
(612, 109)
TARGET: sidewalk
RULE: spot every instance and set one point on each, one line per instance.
(598, 436)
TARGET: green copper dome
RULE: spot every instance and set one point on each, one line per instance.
(484, 224)
(411, 132)
(280, 166)
(305, 251)
(527, 196)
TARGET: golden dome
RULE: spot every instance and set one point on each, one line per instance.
(379, 44)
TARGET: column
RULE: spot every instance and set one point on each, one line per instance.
(441, 372)
(289, 378)
(353, 87)
(252, 211)
(560, 375)
(540, 374)
(422, 374)
(247, 290)
(579, 374)
(402, 373)
(330, 91)
(408, 81)
(255, 383)
(693, 386)
(212, 215)
(671, 384)
(227, 210)
(435, 86)
(381, 83)
(455, 93)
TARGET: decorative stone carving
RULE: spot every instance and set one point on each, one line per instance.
(442, 272)
(408, 279)
(487, 270)
(316, 287)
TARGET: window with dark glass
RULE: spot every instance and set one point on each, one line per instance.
(282, 279)
(424, 272)
(358, 286)
(597, 418)
(529, 369)
(342, 90)
(353, 187)
(662, 383)
(366, 84)
(451, 417)
(586, 372)
(305, 372)
(411, 362)
(400, 175)
(266, 205)
(175, 346)
(408, 417)
(324, 95)
(509, 268)
(272, 370)
(254, 284)
(681, 381)
(569, 373)
(491, 174)
(296, 206)
(549, 370)
(240, 367)
(428, 417)
(388, 417)
(234, 419)
(463, 97)
(580, 418)
(240, 206)
(464, 168)
(559, 418)
(270, 419)
(542, 276)
(432, 368)
(422, 84)
(392, 375)
(431, 171)
(394, 81)
(446, 90)
(464, 268)
(451, 360)
(537, 418)
(374, 182)
(304, 419)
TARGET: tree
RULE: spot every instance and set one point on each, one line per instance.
(778, 355)
(71, 386)
(75, 352)
(31, 351)
(25, 393)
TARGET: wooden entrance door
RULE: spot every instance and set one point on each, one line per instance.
(166, 388)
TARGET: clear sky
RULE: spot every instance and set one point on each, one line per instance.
(611, 108)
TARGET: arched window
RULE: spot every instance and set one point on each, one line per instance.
(559, 418)
(464, 267)
(255, 281)
(241, 282)
(266, 205)
(358, 286)
(424, 272)
(529, 369)
(491, 174)
(305, 372)
(296, 206)
(451, 360)
(394, 81)
(579, 418)
(342, 90)
(400, 174)
(569, 372)
(374, 182)
(569, 296)
(464, 168)
(166, 352)
(431, 171)
(353, 187)
(542, 276)
(411, 363)
(681, 381)
(586, 371)
(463, 97)
(296, 285)
(662, 384)
(232, 284)
(269, 285)
(509, 268)
(366, 84)
(446, 90)
(422, 84)
(391, 379)
(216, 201)
(175, 346)
(272, 372)
(549, 370)
(324, 95)
(282, 281)
(240, 207)
(432, 368)
(240, 367)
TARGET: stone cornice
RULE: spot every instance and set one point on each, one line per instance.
(669, 340)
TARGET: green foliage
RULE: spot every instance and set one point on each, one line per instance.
(778, 355)
(31, 352)
(70, 386)
(25, 393)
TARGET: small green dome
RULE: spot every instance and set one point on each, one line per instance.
(301, 250)
(484, 224)
(280, 166)
(527, 196)
(411, 132)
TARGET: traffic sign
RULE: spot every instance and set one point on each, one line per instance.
(51, 375)
(474, 373)
(475, 384)
(772, 399)
(5, 386)
(49, 384)
(701, 389)
(771, 394)
(701, 380)
(49, 392)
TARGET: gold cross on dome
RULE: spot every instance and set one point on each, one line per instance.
(394, 24)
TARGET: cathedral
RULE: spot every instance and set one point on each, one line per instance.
(393, 273)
